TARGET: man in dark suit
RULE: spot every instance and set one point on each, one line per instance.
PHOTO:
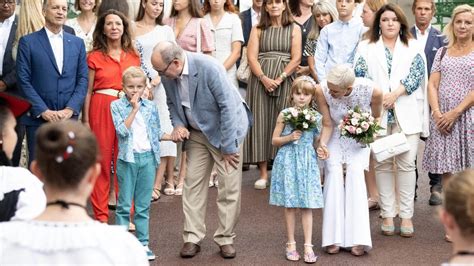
(51, 71)
(9, 23)
(429, 39)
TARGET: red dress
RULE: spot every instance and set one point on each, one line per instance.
(108, 75)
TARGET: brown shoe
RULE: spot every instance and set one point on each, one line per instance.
(189, 250)
(227, 251)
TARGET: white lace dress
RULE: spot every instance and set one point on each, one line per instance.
(145, 45)
(346, 215)
(67, 243)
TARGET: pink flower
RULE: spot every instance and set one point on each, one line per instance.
(365, 126)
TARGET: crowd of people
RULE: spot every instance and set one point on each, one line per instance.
(122, 103)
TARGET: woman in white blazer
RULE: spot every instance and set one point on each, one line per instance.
(392, 61)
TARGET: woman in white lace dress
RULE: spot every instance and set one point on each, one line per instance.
(346, 215)
(64, 233)
(84, 24)
(149, 31)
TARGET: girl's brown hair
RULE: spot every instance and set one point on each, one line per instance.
(304, 84)
(65, 151)
(141, 14)
(228, 6)
(265, 21)
(195, 9)
(459, 201)
(100, 40)
(404, 33)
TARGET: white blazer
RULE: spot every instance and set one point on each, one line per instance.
(412, 111)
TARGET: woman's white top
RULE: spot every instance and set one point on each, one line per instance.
(86, 36)
(227, 31)
(31, 201)
(67, 243)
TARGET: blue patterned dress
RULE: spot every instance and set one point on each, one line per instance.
(295, 175)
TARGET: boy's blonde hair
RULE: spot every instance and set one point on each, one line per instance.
(304, 84)
(459, 201)
(133, 72)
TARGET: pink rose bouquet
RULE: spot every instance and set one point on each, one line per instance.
(359, 125)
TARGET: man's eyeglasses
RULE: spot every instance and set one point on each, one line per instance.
(161, 72)
(7, 2)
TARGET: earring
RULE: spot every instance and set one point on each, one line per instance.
(380, 32)
(401, 32)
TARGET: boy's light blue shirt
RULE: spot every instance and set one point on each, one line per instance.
(337, 44)
(121, 108)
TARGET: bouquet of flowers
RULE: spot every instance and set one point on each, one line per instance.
(359, 125)
(301, 118)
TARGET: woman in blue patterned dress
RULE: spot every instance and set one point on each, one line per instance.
(295, 176)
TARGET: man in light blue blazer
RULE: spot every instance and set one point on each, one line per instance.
(51, 72)
(430, 40)
(208, 112)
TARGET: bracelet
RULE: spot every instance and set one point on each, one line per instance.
(433, 111)
(260, 76)
(283, 75)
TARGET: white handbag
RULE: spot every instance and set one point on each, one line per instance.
(243, 72)
(389, 146)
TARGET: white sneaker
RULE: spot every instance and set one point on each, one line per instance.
(261, 184)
(149, 254)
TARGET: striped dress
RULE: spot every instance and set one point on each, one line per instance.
(274, 55)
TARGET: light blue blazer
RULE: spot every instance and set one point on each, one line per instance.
(216, 105)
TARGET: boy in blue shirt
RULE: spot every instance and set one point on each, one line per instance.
(137, 123)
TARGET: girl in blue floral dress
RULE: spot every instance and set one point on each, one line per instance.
(295, 179)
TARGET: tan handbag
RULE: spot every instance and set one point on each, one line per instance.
(243, 72)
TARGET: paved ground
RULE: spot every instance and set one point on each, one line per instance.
(261, 234)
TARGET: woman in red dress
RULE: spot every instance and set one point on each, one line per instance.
(112, 53)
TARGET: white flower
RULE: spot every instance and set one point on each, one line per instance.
(308, 117)
(371, 123)
(356, 115)
(350, 112)
(358, 131)
(355, 121)
(365, 115)
(371, 118)
(305, 111)
(313, 118)
(305, 125)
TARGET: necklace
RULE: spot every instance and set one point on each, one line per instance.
(65, 204)
(305, 24)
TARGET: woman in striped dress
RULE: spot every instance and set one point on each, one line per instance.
(274, 52)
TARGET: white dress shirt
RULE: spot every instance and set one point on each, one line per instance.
(183, 87)
(56, 41)
(255, 17)
(421, 38)
(5, 28)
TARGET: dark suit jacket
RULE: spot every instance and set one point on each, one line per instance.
(246, 18)
(40, 80)
(9, 67)
(434, 42)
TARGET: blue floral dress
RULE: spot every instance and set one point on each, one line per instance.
(295, 175)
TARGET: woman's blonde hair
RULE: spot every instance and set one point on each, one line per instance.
(449, 29)
(31, 19)
(321, 7)
(459, 201)
(341, 76)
